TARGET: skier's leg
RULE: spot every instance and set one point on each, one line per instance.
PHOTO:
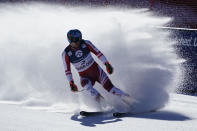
(87, 85)
(107, 84)
(118, 92)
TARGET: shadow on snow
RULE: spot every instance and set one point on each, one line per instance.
(163, 115)
(92, 121)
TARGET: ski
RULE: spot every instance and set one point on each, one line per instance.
(119, 114)
(114, 114)
(123, 114)
(86, 113)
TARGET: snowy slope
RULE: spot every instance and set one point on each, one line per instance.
(32, 74)
(179, 115)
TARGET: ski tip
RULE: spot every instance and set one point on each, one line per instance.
(118, 114)
(82, 113)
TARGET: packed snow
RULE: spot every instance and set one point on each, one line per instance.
(179, 115)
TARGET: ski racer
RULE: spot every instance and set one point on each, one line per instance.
(78, 52)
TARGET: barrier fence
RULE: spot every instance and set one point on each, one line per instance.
(186, 48)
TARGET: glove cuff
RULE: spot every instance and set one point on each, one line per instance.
(107, 63)
(71, 82)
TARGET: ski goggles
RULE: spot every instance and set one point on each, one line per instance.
(75, 39)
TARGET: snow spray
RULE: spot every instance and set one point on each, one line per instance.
(33, 36)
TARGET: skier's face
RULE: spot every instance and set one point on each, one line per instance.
(75, 44)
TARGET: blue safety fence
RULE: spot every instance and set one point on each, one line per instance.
(186, 47)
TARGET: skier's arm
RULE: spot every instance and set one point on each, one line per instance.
(98, 53)
(100, 56)
(68, 72)
(66, 63)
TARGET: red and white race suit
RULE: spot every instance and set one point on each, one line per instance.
(89, 71)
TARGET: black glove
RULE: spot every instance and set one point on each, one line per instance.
(73, 87)
(109, 68)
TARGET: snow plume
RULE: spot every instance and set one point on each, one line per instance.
(33, 36)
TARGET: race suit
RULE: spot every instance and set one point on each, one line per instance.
(89, 71)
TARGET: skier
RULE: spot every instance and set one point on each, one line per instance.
(78, 52)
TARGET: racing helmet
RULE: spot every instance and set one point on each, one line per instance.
(74, 35)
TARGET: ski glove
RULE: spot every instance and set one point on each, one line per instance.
(109, 68)
(73, 87)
